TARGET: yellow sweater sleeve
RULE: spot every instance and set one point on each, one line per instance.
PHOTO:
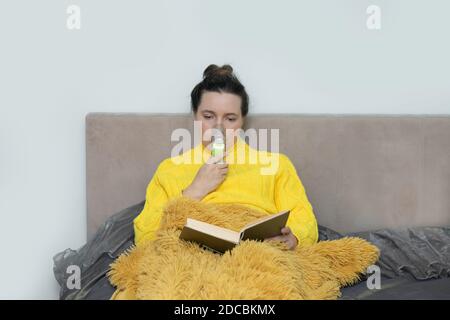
(147, 222)
(290, 195)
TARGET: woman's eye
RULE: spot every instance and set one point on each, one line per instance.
(207, 116)
(231, 119)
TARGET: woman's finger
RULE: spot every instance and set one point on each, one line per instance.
(291, 245)
(281, 238)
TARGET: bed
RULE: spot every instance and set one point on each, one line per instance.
(382, 178)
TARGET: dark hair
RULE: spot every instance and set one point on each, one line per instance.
(219, 79)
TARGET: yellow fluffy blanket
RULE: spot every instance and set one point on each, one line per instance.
(170, 268)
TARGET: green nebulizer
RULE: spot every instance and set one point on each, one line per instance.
(218, 148)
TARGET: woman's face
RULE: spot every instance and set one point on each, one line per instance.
(219, 110)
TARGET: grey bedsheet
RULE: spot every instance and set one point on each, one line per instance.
(422, 253)
(408, 258)
(113, 237)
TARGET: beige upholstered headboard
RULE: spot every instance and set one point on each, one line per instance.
(360, 172)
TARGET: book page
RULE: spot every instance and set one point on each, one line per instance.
(206, 240)
(223, 233)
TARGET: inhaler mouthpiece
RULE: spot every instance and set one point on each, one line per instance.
(218, 147)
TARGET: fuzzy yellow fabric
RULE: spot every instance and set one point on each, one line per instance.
(170, 268)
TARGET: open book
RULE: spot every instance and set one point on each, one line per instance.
(221, 239)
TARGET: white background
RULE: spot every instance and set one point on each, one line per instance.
(145, 56)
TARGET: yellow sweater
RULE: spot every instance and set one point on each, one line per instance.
(250, 183)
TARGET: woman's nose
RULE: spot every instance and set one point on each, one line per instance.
(218, 125)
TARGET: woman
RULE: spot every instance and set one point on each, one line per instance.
(220, 101)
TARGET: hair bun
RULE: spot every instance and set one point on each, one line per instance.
(214, 70)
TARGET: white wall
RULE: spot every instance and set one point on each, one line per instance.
(145, 56)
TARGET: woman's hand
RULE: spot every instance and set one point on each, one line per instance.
(210, 175)
(287, 237)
